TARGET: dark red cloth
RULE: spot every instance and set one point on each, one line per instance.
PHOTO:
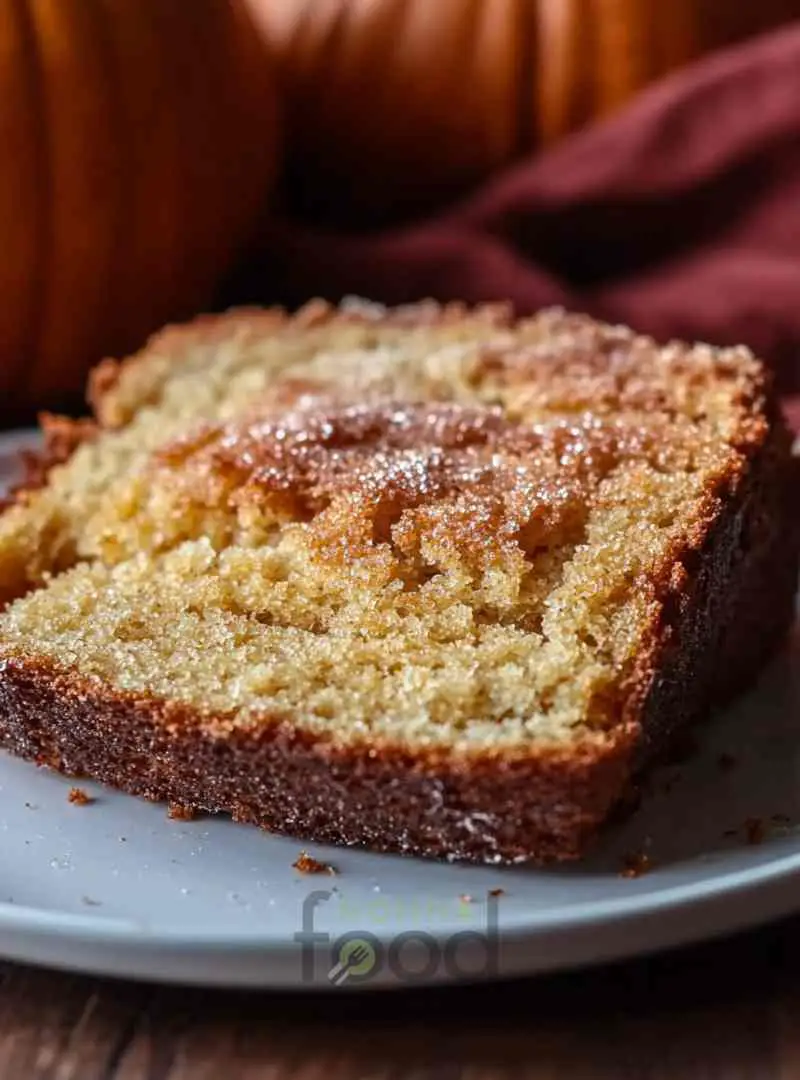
(680, 216)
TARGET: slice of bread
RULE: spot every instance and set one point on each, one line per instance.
(425, 579)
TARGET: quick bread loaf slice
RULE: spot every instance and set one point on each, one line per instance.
(425, 579)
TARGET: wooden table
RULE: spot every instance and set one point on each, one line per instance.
(725, 1010)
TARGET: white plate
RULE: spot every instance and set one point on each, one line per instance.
(115, 887)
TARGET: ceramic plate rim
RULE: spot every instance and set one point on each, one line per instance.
(713, 887)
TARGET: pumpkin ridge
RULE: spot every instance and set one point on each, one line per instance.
(140, 150)
(161, 197)
(127, 222)
(17, 319)
(81, 204)
(123, 174)
(527, 19)
(42, 156)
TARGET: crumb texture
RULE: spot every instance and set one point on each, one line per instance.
(433, 529)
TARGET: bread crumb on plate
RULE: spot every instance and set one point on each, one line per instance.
(307, 864)
(78, 797)
(636, 863)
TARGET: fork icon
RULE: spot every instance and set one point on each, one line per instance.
(353, 955)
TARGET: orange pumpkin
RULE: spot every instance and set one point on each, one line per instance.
(138, 145)
(394, 105)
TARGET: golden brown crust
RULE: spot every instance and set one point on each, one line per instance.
(172, 343)
(726, 599)
(102, 380)
(61, 436)
(729, 614)
(473, 483)
(722, 602)
(480, 808)
(107, 382)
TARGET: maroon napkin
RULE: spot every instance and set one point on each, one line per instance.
(680, 216)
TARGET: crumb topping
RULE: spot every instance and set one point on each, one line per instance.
(472, 483)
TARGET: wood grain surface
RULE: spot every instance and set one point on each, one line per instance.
(724, 1010)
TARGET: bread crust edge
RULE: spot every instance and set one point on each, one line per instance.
(717, 622)
(722, 605)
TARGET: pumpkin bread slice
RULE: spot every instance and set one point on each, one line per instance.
(424, 579)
